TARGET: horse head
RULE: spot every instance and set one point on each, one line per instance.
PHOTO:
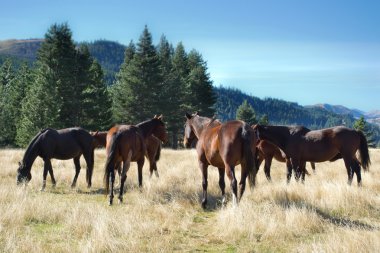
(160, 130)
(23, 175)
(189, 135)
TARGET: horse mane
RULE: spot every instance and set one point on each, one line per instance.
(32, 142)
(143, 125)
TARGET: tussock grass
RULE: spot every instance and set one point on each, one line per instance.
(323, 215)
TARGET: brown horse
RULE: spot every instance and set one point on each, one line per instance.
(64, 144)
(126, 143)
(301, 144)
(267, 151)
(153, 149)
(223, 146)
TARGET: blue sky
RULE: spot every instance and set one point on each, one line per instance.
(306, 51)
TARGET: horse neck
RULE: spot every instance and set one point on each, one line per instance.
(201, 123)
(146, 128)
(30, 155)
(278, 135)
(102, 138)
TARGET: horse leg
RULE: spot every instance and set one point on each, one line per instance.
(244, 174)
(44, 175)
(89, 157)
(222, 184)
(155, 168)
(77, 170)
(350, 172)
(112, 181)
(230, 170)
(268, 163)
(303, 171)
(297, 169)
(312, 164)
(203, 166)
(50, 169)
(140, 164)
(289, 168)
(356, 168)
(123, 177)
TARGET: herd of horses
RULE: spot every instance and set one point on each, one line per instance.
(222, 145)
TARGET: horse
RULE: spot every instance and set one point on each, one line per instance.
(63, 144)
(301, 144)
(267, 151)
(153, 149)
(126, 144)
(223, 146)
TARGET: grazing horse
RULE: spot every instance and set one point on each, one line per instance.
(63, 144)
(223, 146)
(153, 149)
(126, 144)
(301, 144)
(267, 151)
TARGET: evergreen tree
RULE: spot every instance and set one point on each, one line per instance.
(264, 120)
(40, 107)
(57, 65)
(120, 90)
(140, 82)
(7, 76)
(200, 91)
(96, 101)
(246, 113)
(361, 125)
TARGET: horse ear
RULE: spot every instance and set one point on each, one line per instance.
(155, 116)
(188, 116)
(160, 117)
(96, 133)
(196, 113)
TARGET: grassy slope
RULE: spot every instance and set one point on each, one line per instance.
(324, 215)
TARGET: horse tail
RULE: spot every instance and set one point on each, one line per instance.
(363, 150)
(158, 153)
(110, 162)
(248, 157)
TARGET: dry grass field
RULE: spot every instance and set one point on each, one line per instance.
(323, 215)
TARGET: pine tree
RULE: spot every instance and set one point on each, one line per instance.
(172, 93)
(201, 94)
(96, 101)
(120, 90)
(40, 107)
(362, 125)
(140, 83)
(264, 120)
(7, 77)
(57, 65)
(246, 113)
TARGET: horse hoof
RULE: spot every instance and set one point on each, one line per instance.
(156, 173)
(42, 189)
(204, 204)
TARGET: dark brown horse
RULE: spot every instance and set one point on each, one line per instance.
(267, 151)
(126, 144)
(64, 144)
(153, 149)
(223, 146)
(301, 144)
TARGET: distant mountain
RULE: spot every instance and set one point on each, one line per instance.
(24, 49)
(372, 116)
(340, 109)
(109, 54)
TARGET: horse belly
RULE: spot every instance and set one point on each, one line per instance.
(319, 154)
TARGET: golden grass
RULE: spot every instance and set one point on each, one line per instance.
(324, 215)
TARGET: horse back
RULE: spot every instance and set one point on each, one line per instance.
(64, 143)
(131, 140)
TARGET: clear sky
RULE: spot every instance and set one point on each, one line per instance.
(306, 51)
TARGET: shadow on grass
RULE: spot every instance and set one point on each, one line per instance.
(335, 220)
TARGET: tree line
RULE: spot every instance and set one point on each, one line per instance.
(65, 87)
